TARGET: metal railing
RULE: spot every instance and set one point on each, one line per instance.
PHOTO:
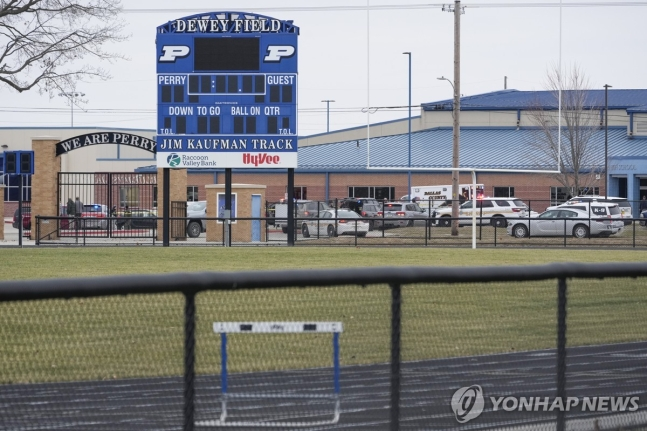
(337, 231)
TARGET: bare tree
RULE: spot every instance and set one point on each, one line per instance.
(52, 44)
(577, 160)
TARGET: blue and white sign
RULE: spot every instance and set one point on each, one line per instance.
(227, 92)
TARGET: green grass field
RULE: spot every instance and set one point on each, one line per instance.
(142, 335)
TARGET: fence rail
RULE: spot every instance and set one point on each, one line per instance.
(422, 232)
(22, 304)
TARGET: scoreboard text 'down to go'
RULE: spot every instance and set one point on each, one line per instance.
(227, 92)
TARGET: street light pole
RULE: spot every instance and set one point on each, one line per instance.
(409, 137)
(71, 96)
(606, 139)
(327, 114)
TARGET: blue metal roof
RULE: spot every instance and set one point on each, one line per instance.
(515, 99)
(485, 148)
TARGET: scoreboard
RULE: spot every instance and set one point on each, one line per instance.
(227, 92)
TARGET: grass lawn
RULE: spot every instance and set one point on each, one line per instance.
(142, 335)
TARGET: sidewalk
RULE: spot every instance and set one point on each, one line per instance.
(11, 235)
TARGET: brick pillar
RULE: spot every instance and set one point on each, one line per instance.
(1, 212)
(44, 186)
(241, 230)
(177, 193)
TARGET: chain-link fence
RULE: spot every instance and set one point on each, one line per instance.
(560, 346)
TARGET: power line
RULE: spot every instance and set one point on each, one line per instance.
(400, 7)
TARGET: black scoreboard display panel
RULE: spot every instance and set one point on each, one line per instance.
(227, 91)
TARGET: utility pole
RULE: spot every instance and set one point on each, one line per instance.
(456, 111)
(327, 114)
(71, 95)
(606, 139)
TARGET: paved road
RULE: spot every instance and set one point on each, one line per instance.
(427, 388)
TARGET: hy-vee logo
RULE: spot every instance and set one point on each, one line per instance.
(274, 54)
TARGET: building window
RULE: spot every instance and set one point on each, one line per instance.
(589, 191)
(503, 192)
(379, 193)
(300, 192)
(12, 187)
(192, 193)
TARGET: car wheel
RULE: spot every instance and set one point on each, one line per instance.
(520, 231)
(371, 225)
(498, 221)
(445, 221)
(304, 231)
(580, 231)
(332, 232)
(410, 223)
(284, 229)
(361, 234)
(193, 229)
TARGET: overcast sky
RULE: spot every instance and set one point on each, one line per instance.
(498, 39)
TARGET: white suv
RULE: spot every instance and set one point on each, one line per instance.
(492, 211)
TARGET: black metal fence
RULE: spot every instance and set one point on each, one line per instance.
(559, 346)
(334, 232)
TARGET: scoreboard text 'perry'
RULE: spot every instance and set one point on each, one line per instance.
(227, 92)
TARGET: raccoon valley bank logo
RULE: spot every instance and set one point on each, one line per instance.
(174, 160)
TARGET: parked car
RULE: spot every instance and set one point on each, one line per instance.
(570, 221)
(303, 209)
(365, 207)
(94, 216)
(400, 213)
(139, 219)
(623, 204)
(493, 211)
(334, 222)
(26, 218)
(196, 212)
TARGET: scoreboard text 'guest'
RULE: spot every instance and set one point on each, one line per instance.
(227, 92)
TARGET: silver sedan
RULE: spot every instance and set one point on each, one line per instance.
(560, 222)
(335, 222)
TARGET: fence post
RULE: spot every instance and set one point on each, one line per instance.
(396, 321)
(189, 360)
(561, 350)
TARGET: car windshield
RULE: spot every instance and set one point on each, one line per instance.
(196, 206)
(519, 203)
(346, 214)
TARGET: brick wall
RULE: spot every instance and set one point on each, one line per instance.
(177, 192)
(44, 184)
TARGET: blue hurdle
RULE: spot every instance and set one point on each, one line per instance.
(224, 328)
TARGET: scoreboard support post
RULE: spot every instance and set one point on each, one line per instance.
(166, 173)
(290, 199)
(228, 207)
